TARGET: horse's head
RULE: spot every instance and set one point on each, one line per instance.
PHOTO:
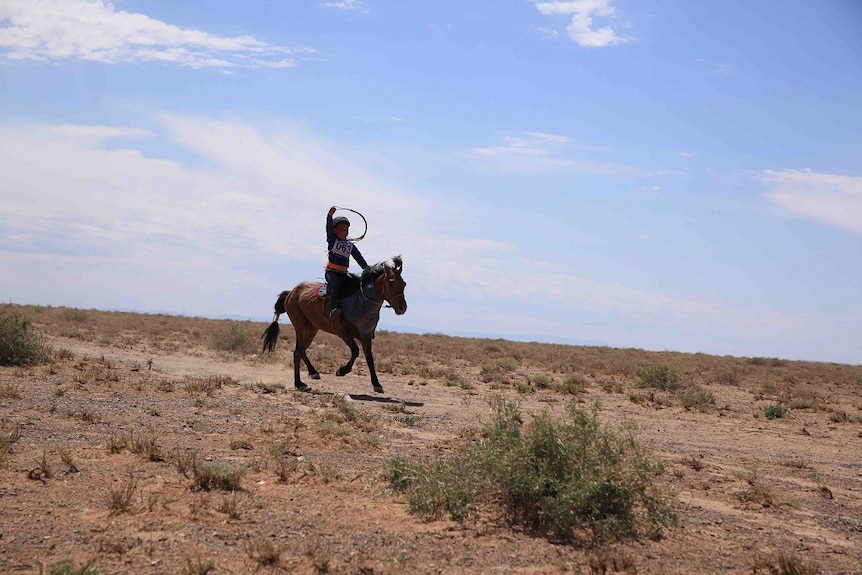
(390, 285)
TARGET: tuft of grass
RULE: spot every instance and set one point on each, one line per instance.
(185, 460)
(660, 377)
(206, 384)
(68, 567)
(784, 564)
(263, 552)
(146, 445)
(756, 491)
(219, 475)
(556, 478)
(230, 506)
(19, 344)
(7, 439)
(68, 461)
(9, 391)
(120, 497)
(198, 566)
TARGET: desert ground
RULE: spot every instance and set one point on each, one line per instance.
(762, 457)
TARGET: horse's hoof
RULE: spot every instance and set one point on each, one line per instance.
(378, 389)
(315, 376)
(342, 372)
(302, 387)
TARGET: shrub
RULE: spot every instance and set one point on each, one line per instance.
(236, 338)
(775, 411)
(554, 478)
(572, 384)
(659, 376)
(19, 344)
(695, 397)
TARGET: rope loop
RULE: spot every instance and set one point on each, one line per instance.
(364, 221)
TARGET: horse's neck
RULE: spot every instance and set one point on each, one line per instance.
(374, 294)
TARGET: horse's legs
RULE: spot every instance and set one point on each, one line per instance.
(369, 359)
(312, 371)
(304, 337)
(354, 353)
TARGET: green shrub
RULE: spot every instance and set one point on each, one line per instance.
(696, 397)
(19, 344)
(660, 377)
(557, 479)
(775, 411)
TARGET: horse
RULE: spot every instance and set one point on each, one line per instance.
(308, 311)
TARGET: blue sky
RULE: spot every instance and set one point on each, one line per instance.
(662, 175)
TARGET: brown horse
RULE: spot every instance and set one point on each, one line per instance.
(309, 312)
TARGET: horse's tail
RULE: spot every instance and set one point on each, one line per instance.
(279, 303)
(270, 336)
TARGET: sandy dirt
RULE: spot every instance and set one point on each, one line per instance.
(318, 502)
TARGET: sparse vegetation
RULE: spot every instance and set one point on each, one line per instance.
(556, 478)
(119, 394)
(207, 385)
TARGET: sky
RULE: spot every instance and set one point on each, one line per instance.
(653, 174)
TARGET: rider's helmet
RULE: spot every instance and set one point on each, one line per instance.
(339, 220)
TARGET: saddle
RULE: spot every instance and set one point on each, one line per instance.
(349, 287)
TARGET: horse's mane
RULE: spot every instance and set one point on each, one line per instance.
(373, 272)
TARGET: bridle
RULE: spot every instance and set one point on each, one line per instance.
(386, 296)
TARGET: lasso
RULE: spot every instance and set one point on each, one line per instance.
(364, 221)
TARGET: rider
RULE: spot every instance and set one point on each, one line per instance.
(338, 261)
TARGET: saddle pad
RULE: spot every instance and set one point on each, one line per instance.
(321, 291)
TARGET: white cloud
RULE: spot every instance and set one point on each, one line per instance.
(832, 199)
(535, 152)
(532, 152)
(49, 30)
(582, 28)
(346, 5)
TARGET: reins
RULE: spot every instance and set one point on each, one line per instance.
(383, 301)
